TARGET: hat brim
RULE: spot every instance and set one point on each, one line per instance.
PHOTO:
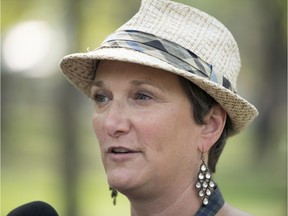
(80, 69)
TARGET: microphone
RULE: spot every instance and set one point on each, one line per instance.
(36, 208)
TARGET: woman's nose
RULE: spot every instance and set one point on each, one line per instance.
(116, 122)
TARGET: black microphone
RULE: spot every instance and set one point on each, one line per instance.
(36, 208)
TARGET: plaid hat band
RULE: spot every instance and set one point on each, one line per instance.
(167, 51)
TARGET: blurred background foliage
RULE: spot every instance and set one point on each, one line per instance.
(48, 150)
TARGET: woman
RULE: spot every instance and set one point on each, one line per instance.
(164, 86)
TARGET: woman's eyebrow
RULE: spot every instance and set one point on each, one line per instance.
(139, 82)
(98, 83)
(101, 83)
(146, 82)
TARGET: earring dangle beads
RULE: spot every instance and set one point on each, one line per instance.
(205, 184)
(114, 193)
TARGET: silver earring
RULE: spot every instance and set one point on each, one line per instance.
(114, 193)
(205, 184)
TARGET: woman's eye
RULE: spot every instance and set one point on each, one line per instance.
(142, 96)
(100, 98)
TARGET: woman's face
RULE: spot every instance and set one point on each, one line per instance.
(143, 122)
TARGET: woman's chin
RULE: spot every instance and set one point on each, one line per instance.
(122, 179)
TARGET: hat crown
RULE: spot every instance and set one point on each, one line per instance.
(194, 30)
(176, 38)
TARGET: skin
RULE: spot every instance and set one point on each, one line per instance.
(145, 114)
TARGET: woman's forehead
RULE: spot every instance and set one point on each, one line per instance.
(113, 74)
(116, 69)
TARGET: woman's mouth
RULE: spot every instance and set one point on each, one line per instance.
(121, 153)
(120, 150)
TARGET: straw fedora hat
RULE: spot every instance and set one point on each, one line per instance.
(179, 39)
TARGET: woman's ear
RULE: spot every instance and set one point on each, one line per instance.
(213, 127)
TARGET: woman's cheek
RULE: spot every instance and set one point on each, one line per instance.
(96, 122)
(96, 125)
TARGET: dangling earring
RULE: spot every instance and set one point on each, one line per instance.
(114, 193)
(205, 184)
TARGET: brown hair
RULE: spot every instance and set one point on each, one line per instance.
(201, 104)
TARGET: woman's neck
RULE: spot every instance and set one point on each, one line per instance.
(183, 202)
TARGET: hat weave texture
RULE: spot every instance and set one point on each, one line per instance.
(188, 27)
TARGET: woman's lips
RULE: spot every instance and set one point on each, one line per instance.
(120, 153)
(120, 150)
